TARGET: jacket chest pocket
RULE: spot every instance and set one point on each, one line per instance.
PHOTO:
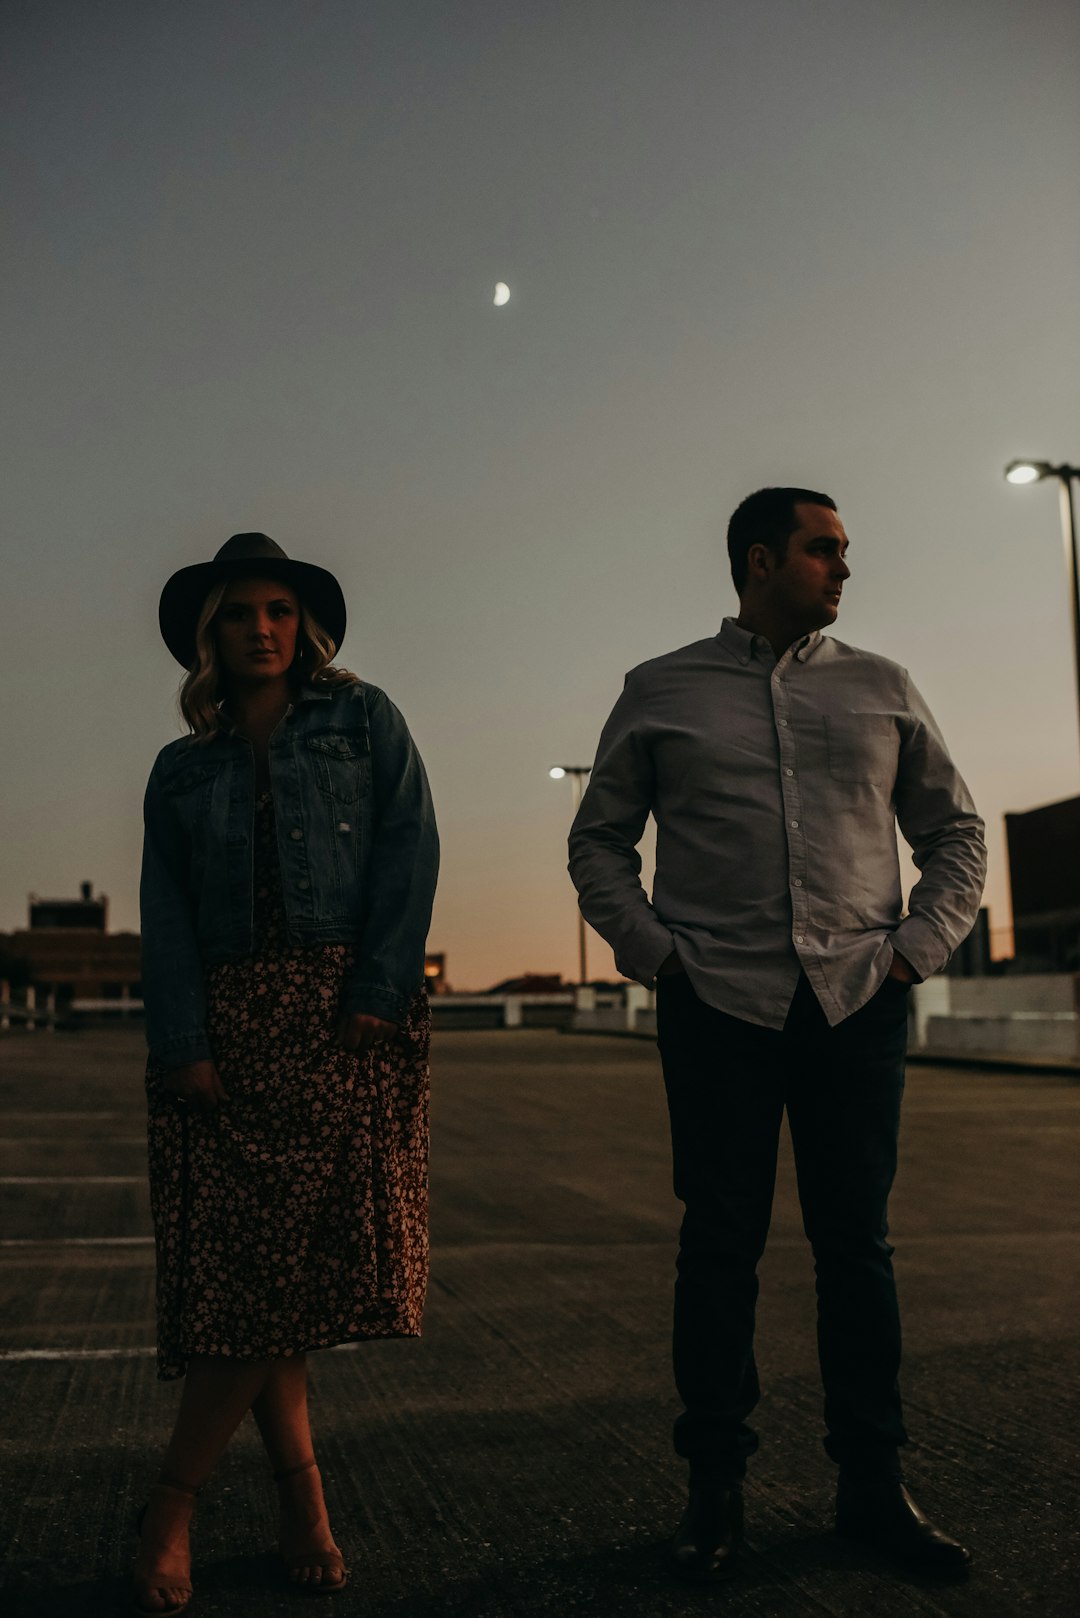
(188, 789)
(862, 747)
(341, 761)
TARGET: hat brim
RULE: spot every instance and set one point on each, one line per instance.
(183, 596)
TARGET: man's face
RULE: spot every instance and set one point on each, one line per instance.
(806, 585)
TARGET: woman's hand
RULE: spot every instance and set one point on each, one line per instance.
(358, 1032)
(198, 1084)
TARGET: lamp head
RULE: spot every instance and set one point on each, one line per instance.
(1027, 471)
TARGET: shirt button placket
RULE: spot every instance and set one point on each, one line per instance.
(792, 801)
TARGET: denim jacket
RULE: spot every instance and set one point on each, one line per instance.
(357, 848)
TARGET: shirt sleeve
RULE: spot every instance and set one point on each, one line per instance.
(605, 865)
(936, 815)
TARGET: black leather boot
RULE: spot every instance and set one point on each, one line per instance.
(881, 1513)
(705, 1548)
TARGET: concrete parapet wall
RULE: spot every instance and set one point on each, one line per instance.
(1045, 992)
(1021, 1034)
(1027, 1015)
(473, 1011)
(1034, 1016)
(615, 1011)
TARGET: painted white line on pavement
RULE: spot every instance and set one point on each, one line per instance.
(77, 1241)
(51, 1140)
(15, 1354)
(76, 1353)
(53, 1117)
(72, 1179)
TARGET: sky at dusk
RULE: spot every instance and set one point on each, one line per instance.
(249, 273)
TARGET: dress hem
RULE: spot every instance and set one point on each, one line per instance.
(170, 1372)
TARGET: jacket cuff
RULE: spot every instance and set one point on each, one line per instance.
(920, 945)
(375, 1000)
(180, 1052)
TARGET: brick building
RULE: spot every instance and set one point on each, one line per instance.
(1044, 877)
(66, 951)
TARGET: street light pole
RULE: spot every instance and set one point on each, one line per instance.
(1068, 531)
(577, 774)
(1022, 472)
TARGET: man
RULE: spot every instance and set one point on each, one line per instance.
(777, 763)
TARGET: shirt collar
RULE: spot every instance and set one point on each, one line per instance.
(743, 645)
(736, 640)
(808, 645)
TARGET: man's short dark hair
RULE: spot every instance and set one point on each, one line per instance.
(767, 518)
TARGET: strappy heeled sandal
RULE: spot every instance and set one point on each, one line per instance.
(329, 1561)
(168, 1574)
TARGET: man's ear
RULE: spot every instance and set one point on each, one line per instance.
(760, 561)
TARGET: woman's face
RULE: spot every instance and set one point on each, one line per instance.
(255, 628)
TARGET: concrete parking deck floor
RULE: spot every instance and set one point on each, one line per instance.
(515, 1461)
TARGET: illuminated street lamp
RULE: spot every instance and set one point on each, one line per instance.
(1022, 472)
(577, 774)
(1027, 471)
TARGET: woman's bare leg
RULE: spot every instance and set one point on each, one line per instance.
(217, 1394)
(281, 1412)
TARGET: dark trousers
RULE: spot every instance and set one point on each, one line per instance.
(728, 1083)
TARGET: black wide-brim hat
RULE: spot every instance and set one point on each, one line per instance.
(242, 556)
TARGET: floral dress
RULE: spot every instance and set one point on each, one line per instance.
(296, 1216)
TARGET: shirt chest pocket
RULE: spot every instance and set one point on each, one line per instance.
(862, 747)
(341, 761)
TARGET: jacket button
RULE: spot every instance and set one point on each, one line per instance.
(303, 884)
(343, 825)
(296, 834)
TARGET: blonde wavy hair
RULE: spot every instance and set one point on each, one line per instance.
(203, 689)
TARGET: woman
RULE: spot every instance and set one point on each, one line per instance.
(289, 866)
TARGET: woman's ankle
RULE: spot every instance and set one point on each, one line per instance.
(169, 1509)
(285, 1474)
(169, 1480)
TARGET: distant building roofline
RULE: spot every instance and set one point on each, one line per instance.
(1041, 808)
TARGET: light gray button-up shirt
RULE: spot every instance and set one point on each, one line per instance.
(776, 786)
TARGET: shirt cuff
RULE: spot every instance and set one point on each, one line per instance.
(641, 959)
(920, 946)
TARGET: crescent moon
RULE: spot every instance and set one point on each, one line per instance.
(502, 294)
